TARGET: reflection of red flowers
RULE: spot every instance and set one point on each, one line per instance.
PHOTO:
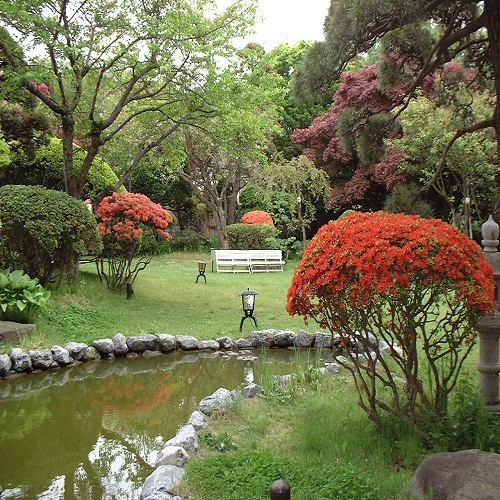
(257, 217)
(132, 399)
(126, 215)
(363, 258)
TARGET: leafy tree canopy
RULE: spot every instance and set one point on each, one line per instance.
(415, 39)
(107, 64)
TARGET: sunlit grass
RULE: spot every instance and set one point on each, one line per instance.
(166, 299)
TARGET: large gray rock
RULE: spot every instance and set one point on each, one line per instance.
(221, 398)
(198, 420)
(468, 474)
(92, 354)
(120, 344)
(322, 340)
(141, 343)
(12, 333)
(186, 342)
(161, 482)
(166, 342)
(41, 358)
(76, 350)
(284, 338)
(104, 346)
(208, 344)
(242, 344)
(251, 390)
(264, 338)
(61, 355)
(225, 342)
(21, 360)
(186, 438)
(5, 364)
(172, 455)
(303, 339)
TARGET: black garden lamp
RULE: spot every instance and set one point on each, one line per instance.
(248, 302)
(202, 265)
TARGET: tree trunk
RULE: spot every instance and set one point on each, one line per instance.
(220, 221)
(68, 134)
(232, 206)
(492, 12)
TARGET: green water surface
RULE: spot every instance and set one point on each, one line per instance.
(94, 431)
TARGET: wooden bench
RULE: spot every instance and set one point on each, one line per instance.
(248, 261)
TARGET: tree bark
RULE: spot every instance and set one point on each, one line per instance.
(492, 13)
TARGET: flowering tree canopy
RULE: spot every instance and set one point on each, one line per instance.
(257, 217)
(125, 216)
(417, 284)
(130, 224)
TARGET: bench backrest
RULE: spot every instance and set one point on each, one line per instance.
(248, 254)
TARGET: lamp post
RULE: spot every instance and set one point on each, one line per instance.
(248, 303)
(202, 265)
(302, 228)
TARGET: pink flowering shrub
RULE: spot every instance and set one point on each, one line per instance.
(414, 286)
(257, 217)
(131, 225)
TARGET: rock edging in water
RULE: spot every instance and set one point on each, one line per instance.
(34, 360)
(168, 469)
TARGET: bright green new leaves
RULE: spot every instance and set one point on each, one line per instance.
(106, 65)
(20, 296)
(470, 168)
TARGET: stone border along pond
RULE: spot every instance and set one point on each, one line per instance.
(168, 470)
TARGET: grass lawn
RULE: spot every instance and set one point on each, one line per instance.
(167, 299)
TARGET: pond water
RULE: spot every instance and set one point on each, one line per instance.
(94, 431)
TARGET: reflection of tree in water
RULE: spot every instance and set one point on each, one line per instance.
(54, 442)
(96, 431)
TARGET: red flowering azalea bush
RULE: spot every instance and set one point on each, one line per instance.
(404, 293)
(257, 217)
(131, 225)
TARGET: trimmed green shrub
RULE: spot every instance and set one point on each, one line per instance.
(251, 236)
(20, 296)
(44, 232)
(188, 241)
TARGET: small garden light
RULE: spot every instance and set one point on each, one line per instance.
(248, 302)
(202, 265)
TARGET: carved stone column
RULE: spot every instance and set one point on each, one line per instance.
(489, 326)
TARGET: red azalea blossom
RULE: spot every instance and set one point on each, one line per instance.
(126, 215)
(257, 217)
(364, 257)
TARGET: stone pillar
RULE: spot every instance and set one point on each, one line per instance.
(489, 326)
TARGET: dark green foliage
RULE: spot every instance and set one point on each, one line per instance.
(251, 236)
(43, 232)
(188, 240)
(469, 425)
(249, 474)
(217, 442)
(403, 199)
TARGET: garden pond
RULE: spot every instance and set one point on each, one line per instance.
(94, 430)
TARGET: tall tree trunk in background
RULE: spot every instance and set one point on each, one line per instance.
(492, 12)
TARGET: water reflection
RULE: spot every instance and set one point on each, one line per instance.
(93, 431)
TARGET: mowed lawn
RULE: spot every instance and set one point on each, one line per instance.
(167, 299)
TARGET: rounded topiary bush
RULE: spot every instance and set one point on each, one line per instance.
(43, 232)
(416, 286)
(257, 217)
(251, 236)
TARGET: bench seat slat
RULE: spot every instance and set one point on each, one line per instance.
(249, 260)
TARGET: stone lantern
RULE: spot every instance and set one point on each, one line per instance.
(489, 326)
